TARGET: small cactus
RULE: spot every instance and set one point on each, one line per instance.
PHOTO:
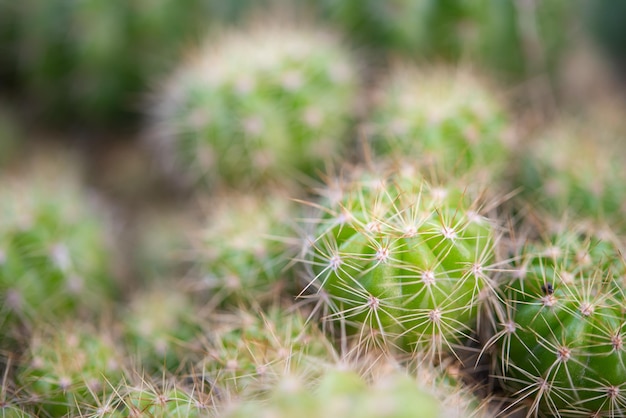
(344, 393)
(561, 338)
(161, 327)
(576, 170)
(397, 258)
(53, 247)
(68, 368)
(444, 118)
(280, 115)
(242, 252)
(249, 351)
(152, 402)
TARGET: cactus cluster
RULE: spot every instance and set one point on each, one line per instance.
(282, 114)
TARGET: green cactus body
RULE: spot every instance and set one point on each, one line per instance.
(243, 251)
(572, 169)
(346, 394)
(403, 259)
(161, 327)
(444, 118)
(249, 352)
(282, 113)
(562, 340)
(66, 370)
(147, 402)
(53, 248)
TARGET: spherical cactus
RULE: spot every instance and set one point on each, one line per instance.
(282, 114)
(160, 403)
(344, 393)
(561, 338)
(70, 368)
(161, 327)
(444, 118)
(241, 254)
(401, 260)
(247, 352)
(54, 254)
(576, 170)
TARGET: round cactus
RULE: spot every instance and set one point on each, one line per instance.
(161, 327)
(53, 247)
(243, 251)
(89, 59)
(344, 393)
(69, 368)
(249, 351)
(156, 403)
(444, 118)
(281, 114)
(400, 259)
(575, 170)
(561, 338)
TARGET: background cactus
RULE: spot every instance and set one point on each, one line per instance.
(402, 260)
(444, 118)
(561, 338)
(576, 169)
(70, 368)
(285, 112)
(53, 244)
(242, 252)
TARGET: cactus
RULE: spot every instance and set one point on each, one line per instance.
(447, 119)
(156, 403)
(561, 339)
(249, 351)
(397, 258)
(242, 252)
(53, 247)
(283, 113)
(344, 393)
(68, 368)
(576, 170)
(161, 327)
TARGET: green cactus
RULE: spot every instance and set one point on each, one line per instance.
(53, 247)
(344, 393)
(575, 170)
(147, 401)
(248, 351)
(241, 254)
(561, 338)
(161, 327)
(282, 114)
(398, 259)
(69, 368)
(443, 117)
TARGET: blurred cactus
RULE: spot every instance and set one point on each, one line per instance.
(69, 368)
(54, 260)
(443, 118)
(241, 254)
(577, 170)
(561, 339)
(161, 328)
(275, 119)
